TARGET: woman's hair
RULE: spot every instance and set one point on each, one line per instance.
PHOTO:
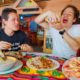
(76, 11)
(6, 12)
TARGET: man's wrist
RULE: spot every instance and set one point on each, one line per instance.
(62, 32)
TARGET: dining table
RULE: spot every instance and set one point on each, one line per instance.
(26, 73)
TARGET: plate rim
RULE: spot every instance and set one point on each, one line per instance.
(63, 66)
(18, 65)
(57, 63)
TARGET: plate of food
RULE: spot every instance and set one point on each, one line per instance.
(42, 63)
(16, 54)
(71, 68)
(15, 67)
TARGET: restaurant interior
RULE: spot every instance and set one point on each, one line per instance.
(28, 10)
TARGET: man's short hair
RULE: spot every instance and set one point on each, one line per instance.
(6, 12)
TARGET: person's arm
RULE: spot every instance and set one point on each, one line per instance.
(73, 42)
(41, 18)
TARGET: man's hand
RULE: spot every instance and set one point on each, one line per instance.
(51, 17)
(26, 47)
(4, 45)
(53, 20)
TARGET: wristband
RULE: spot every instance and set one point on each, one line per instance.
(62, 32)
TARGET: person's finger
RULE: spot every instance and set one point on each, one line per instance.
(5, 46)
(2, 43)
(26, 47)
(7, 43)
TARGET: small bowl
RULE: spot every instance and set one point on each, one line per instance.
(8, 63)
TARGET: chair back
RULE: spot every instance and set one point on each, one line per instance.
(78, 53)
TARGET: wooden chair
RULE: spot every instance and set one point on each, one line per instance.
(78, 53)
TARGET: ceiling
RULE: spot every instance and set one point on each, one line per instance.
(54, 5)
(6, 2)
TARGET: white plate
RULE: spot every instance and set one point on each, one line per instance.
(69, 70)
(31, 66)
(14, 68)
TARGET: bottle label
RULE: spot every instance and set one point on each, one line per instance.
(49, 45)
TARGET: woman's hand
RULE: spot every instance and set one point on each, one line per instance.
(4, 45)
(26, 47)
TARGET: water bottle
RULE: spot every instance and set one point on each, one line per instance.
(49, 45)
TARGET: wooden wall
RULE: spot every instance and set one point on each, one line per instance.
(58, 5)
